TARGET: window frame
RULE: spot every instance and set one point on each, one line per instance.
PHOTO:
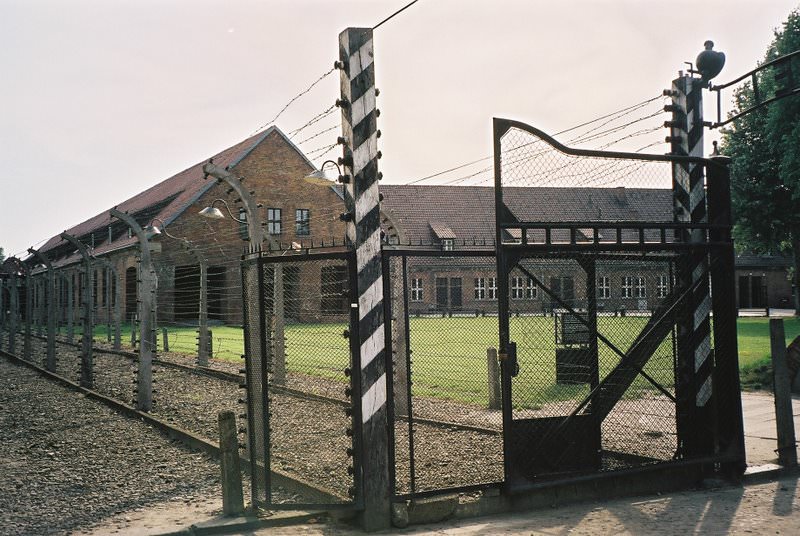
(518, 289)
(662, 286)
(243, 223)
(448, 244)
(627, 286)
(480, 288)
(603, 287)
(417, 289)
(302, 225)
(274, 223)
(639, 287)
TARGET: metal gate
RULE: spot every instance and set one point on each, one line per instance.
(303, 427)
(625, 369)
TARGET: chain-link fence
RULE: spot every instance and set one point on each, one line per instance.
(301, 388)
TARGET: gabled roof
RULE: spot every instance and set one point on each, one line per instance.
(166, 200)
(467, 212)
(764, 260)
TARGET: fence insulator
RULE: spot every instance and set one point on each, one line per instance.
(347, 372)
(342, 103)
(350, 470)
(242, 386)
(672, 108)
(348, 432)
(348, 392)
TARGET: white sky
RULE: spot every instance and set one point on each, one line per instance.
(102, 99)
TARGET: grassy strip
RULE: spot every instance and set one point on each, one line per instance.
(449, 354)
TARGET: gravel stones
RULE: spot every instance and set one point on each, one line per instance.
(68, 462)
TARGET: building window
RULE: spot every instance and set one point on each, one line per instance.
(640, 289)
(627, 287)
(94, 289)
(447, 244)
(531, 291)
(517, 288)
(302, 219)
(416, 289)
(242, 223)
(603, 287)
(492, 288)
(274, 221)
(662, 286)
(480, 288)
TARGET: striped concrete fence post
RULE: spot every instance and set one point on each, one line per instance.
(695, 360)
(360, 160)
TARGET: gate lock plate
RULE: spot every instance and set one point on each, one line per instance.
(509, 359)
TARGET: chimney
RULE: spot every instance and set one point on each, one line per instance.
(619, 192)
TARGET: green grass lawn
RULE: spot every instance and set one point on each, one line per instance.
(449, 354)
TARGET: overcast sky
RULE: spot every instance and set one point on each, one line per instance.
(102, 99)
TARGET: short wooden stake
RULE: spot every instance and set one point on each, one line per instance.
(493, 371)
(165, 337)
(784, 420)
(232, 497)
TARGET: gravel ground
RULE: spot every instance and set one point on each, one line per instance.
(67, 462)
(308, 436)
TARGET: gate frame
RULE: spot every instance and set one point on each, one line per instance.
(261, 260)
(718, 246)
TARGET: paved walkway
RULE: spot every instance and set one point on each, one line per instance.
(771, 507)
(760, 436)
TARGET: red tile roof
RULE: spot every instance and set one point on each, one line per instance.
(176, 193)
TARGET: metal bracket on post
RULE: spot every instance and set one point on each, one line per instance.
(50, 305)
(360, 160)
(87, 366)
(147, 289)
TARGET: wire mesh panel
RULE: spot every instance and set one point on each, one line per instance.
(615, 371)
(447, 419)
(306, 417)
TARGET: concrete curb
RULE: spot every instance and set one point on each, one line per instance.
(246, 524)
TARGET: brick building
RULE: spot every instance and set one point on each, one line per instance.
(763, 281)
(294, 210)
(458, 218)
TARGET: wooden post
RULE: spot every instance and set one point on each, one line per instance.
(493, 371)
(360, 161)
(784, 419)
(231, 475)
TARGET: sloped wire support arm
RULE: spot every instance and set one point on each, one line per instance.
(147, 290)
(50, 305)
(87, 365)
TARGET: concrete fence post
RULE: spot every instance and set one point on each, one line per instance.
(50, 306)
(87, 340)
(165, 337)
(493, 371)
(70, 307)
(2, 311)
(146, 286)
(231, 476)
(784, 418)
